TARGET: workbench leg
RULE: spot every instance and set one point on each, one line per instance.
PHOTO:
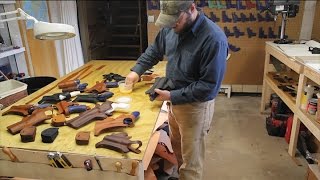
(265, 88)
(294, 136)
(266, 92)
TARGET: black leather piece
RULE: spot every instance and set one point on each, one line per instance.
(162, 83)
(49, 135)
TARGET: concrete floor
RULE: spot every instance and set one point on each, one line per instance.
(238, 146)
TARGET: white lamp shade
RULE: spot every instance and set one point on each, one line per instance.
(53, 31)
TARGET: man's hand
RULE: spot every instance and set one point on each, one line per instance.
(164, 95)
(132, 78)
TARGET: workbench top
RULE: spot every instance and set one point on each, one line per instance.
(65, 141)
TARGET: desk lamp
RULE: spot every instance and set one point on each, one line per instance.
(43, 30)
(288, 8)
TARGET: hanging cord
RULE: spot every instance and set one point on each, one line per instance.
(4, 75)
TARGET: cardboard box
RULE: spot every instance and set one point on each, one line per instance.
(11, 91)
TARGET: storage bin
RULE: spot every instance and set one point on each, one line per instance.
(12, 91)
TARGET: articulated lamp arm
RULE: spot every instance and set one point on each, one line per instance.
(23, 16)
(43, 30)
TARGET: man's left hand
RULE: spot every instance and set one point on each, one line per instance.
(164, 95)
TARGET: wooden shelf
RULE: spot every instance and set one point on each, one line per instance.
(312, 74)
(298, 65)
(286, 97)
(309, 121)
(11, 52)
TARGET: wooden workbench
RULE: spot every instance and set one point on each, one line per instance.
(306, 75)
(34, 154)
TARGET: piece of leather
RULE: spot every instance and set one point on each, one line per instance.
(82, 137)
(28, 134)
(67, 84)
(62, 106)
(165, 139)
(22, 110)
(149, 77)
(162, 83)
(110, 122)
(96, 113)
(58, 120)
(119, 142)
(49, 135)
(99, 87)
(37, 117)
(163, 152)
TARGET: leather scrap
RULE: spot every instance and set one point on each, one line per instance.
(28, 134)
(82, 137)
(119, 142)
(99, 87)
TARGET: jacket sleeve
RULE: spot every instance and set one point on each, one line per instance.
(212, 69)
(153, 54)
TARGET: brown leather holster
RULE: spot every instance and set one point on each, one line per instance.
(96, 113)
(99, 87)
(22, 110)
(124, 120)
(119, 142)
(38, 116)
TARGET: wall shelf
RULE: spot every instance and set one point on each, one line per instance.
(11, 52)
(8, 2)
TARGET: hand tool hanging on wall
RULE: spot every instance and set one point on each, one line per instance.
(239, 5)
(250, 5)
(225, 17)
(202, 3)
(237, 32)
(271, 34)
(261, 34)
(243, 17)
(235, 17)
(259, 6)
(234, 48)
(227, 32)
(269, 18)
(250, 33)
(214, 18)
(260, 17)
(229, 4)
(252, 18)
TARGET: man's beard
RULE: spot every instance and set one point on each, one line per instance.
(187, 26)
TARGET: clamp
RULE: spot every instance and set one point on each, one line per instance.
(58, 160)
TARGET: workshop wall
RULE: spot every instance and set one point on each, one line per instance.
(246, 64)
(316, 24)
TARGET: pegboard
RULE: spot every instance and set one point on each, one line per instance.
(248, 26)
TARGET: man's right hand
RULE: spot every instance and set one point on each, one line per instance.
(132, 77)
